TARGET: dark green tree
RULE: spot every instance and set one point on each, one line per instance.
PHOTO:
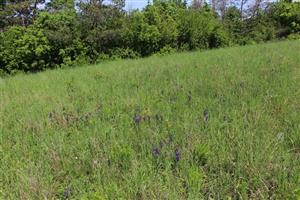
(18, 12)
(100, 25)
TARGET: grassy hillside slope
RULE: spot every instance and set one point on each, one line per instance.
(221, 123)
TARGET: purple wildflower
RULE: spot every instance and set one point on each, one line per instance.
(177, 154)
(137, 119)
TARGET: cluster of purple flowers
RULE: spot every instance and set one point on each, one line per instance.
(177, 154)
(156, 152)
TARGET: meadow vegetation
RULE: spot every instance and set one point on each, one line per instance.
(219, 124)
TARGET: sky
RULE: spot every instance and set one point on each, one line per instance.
(132, 4)
(135, 4)
(138, 4)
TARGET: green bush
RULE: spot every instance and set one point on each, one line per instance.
(287, 17)
(200, 29)
(294, 36)
(165, 16)
(234, 25)
(166, 50)
(102, 57)
(61, 30)
(24, 49)
(123, 53)
(152, 29)
(141, 36)
(261, 28)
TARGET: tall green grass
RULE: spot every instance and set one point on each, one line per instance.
(218, 124)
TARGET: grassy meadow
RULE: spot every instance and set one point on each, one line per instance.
(219, 124)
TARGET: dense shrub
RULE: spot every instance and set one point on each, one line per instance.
(24, 49)
(200, 29)
(100, 26)
(234, 25)
(287, 17)
(258, 28)
(62, 32)
(294, 36)
(123, 53)
(140, 35)
(261, 28)
(165, 16)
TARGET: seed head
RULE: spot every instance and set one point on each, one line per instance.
(170, 140)
(189, 97)
(158, 117)
(177, 154)
(156, 152)
(205, 115)
(161, 144)
(67, 193)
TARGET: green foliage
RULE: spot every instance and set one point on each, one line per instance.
(61, 30)
(296, 194)
(167, 25)
(100, 27)
(120, 53)
(75, 33)
(166, 50)
(287, 16)
(261, 28)
(18, 12)
(257, 29)
(140, 35)
(165, 17)
(24, 49)
(234, 25)
(2, 64)
(200, 29)
(55, 5)
(294, 36)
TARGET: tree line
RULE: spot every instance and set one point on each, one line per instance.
(37, 35)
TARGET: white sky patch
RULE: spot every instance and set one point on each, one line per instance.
(140, 4)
